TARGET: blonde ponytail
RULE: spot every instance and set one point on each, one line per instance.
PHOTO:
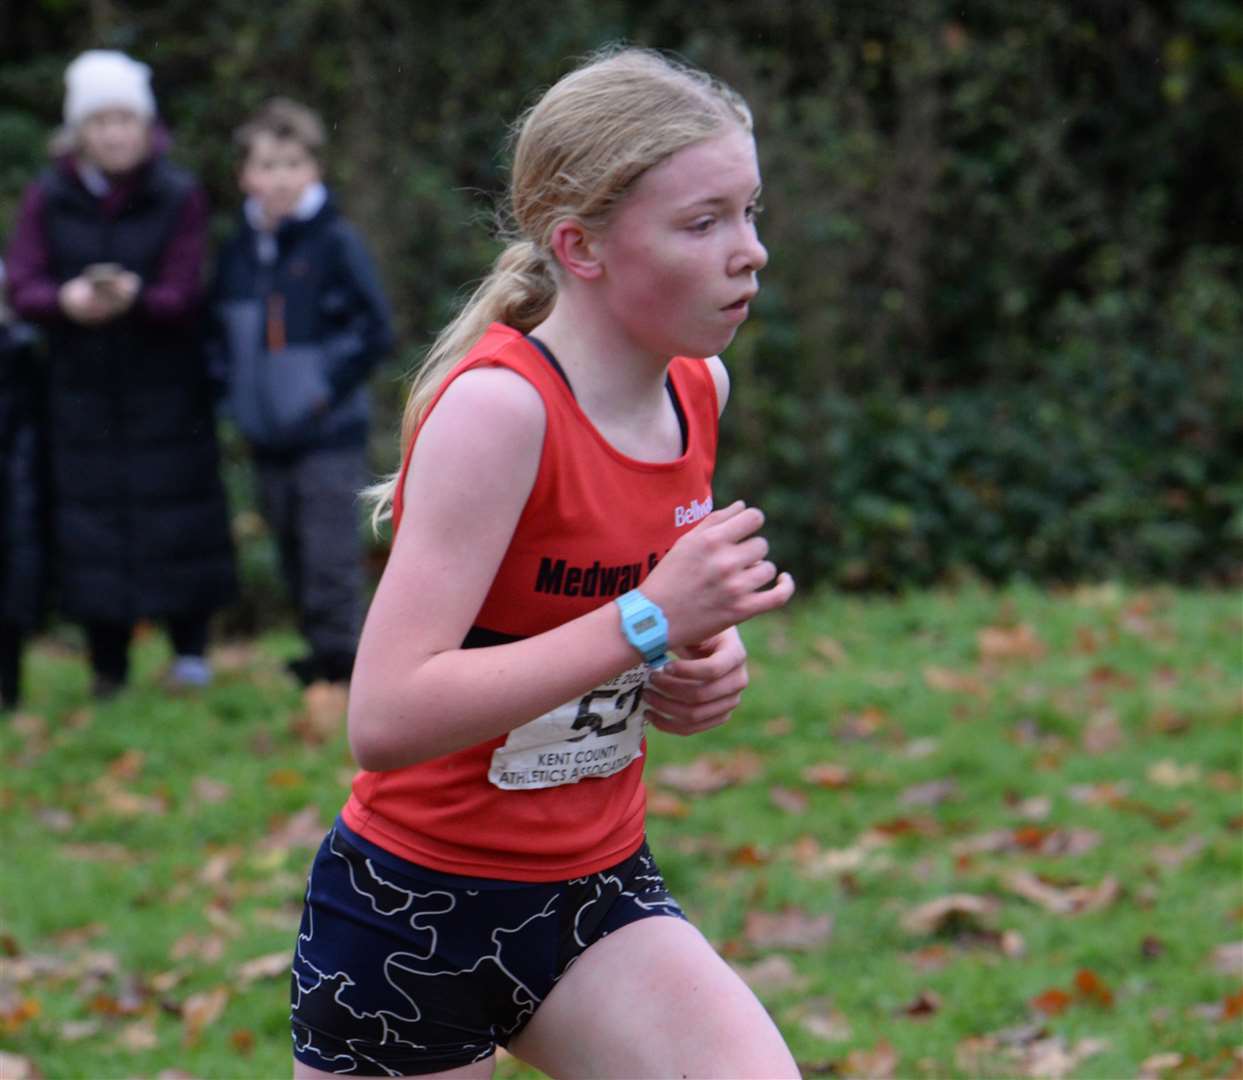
(518, 291)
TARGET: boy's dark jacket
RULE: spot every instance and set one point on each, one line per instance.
(299, 336)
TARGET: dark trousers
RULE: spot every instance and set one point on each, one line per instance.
(108, 642)
(11, 642)
(311, 505)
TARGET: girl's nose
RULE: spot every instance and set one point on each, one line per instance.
(751, 256)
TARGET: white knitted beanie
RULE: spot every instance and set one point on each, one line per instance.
(106, 79)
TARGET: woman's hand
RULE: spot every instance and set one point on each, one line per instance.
(93, 302)
(717, 576)
(701, 689)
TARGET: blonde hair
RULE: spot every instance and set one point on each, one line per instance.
(576, 154)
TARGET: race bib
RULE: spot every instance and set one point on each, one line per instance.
(596, 735)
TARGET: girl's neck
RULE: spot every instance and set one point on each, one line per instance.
(610, 375)
(619, 387)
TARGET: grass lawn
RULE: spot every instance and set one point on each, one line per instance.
(977, 834)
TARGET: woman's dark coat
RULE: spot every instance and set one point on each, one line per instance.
(140, 521)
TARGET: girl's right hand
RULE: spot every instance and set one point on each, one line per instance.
(716, 575)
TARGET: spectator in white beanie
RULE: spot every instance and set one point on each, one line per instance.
(107, 256)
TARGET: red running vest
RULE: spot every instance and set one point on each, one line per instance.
(561, 796)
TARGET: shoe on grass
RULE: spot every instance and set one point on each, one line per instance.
(188, 673)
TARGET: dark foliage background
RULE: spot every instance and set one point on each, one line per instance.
(1001, 332)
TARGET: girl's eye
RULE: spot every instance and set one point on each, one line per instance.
(702, 225)
(754, 210)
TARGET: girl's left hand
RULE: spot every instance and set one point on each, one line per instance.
(700, 689)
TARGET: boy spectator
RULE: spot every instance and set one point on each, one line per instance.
(303, 322)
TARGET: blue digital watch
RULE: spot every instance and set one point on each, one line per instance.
(645, 627)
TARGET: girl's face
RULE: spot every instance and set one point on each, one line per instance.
(680, 256)
(277, 172)
(114, 140)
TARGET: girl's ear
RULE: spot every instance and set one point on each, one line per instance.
(576, 249)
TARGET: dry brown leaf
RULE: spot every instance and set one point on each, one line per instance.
(788, 929)
(1168, 773)
(191, 946)
(138, 1036)
(201, 1011)
(789, 799)
(926, 1003)
(1070, 900)
(956, 911)
(1009, 643)
(666, 804)
(775, 972)
(953, 682)
(324, 706)
(1172, 856)
(819, 1017)
(712, 773)
(1154, 1067)
(73, 1031)
(829, 649)
(828, 774)
(1228, 959)
(209, 791)
(862, 725)
(302, 829)
(1103, 732)
(217, 868)
(16, 1067)
(931, 793)
(879, 1063)
(1050, 1059)
(269, 966)
(128, 765)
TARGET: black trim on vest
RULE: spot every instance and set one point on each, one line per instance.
(673, 394)
(480, 637)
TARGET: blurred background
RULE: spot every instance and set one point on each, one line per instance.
(1001, 333)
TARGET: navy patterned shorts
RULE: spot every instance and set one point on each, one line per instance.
(401, 971)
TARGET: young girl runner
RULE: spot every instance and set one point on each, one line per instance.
(558, 577)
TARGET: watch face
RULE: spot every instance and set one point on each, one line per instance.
(643, 625)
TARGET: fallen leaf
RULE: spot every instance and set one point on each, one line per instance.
(829, 649)
(950, 913)
(862, 725)
(879, 1063)
(828, 774)
(666, 804)
(16, 1067)
(74, 1031)
(302, 829)
(128, 765)
(138, 1036)
(242, 1041)
(209, 791)
(201, 1011)
(788, 929)
(1172, 856)
(269, 966)
(789, 800)
(819, 1018)
(1103, 732)
(1052, 1002)
(1168, 773)
(324, 706)
(707, 774)
(931, 793)
(1154, 1067)
(1009, 643)
(1072, 900)
(1089, 985)
(926, 1003)
(953, 682)
(775, 972)
(1050, 1059)
(1228, 959)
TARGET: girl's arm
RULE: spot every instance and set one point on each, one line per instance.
(33, 291)
(416, 694)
